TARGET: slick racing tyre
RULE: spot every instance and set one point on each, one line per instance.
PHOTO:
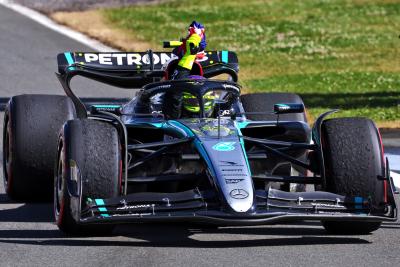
(30, 134)
(88, 155)
(264, 102)
(353, 160)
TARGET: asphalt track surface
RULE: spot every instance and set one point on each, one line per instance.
(28, 236)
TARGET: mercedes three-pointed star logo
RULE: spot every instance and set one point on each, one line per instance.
(239, 193)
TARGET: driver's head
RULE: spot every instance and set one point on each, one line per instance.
(191, 104)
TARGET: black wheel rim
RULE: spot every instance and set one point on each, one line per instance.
(8, 153)
(58, 182)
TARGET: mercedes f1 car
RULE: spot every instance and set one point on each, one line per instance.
(232, 159)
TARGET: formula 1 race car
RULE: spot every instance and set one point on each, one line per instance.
(231, 159)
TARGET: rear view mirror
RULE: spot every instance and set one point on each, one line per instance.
(283, 108)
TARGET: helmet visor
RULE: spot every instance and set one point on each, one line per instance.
(191, 103)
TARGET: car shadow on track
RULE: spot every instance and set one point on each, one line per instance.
(162, 235)
(24, 212)
(185, 236)
(301, 241)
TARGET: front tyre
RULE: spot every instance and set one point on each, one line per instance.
(91, 149)
(353, 162)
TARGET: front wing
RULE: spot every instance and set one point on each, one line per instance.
(272, 206)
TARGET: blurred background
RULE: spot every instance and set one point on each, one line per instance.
(334, 53)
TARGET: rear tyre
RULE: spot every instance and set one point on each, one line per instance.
(264, 102)
(30, 134)
(93, 147)
(353, 161)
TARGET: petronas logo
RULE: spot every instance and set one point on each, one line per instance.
(224, 146)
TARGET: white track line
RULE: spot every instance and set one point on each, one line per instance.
(396, 179)
(42, 19)
(394, 161)
(394, 164)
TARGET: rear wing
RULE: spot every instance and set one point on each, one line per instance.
(135, 69)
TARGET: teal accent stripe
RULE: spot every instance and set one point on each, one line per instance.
(224, 56)
(107, 106)
(358, 201)
(100, 202)
(68, 56)
(157, 124)
(242, 124)
(183, 127)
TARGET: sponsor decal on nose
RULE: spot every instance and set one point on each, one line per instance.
(224, 146)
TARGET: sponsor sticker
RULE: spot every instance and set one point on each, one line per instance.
(233, 181)
(127, 207)
(224, 146)
(126, 59)
(225, 112)
(225, 163)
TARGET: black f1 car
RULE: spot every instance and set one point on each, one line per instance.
(237, 160)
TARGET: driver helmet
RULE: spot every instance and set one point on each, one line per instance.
(191, 104)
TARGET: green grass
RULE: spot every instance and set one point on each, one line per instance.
(335, 53)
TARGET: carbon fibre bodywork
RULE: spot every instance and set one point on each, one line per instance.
(223, 169)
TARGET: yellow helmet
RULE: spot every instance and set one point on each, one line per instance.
(191, 103)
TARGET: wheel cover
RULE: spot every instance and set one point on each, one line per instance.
(59, 185)
(7, 156)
